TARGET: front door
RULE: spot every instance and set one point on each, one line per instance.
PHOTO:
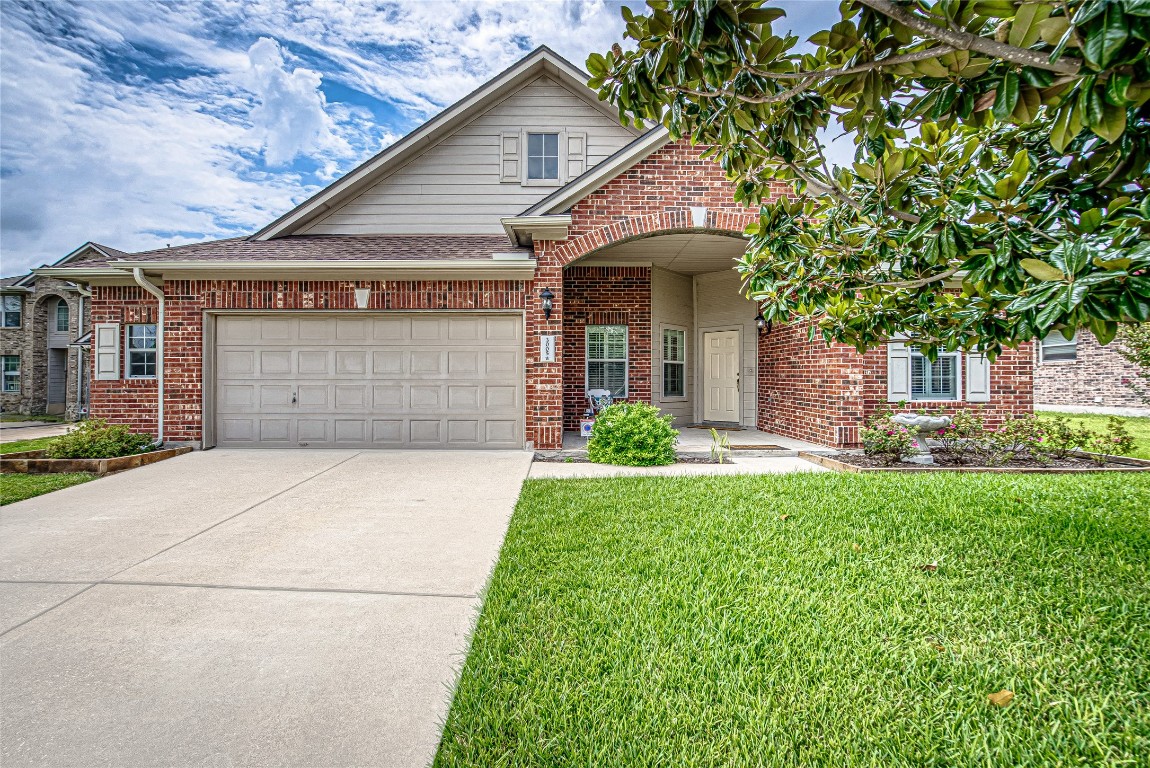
(721, 376)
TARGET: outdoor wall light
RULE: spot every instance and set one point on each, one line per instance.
(361, 297)
(763, 324)
(547, 302)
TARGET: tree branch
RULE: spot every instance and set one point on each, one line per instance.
(966, 41)
(774, 97)
(889, 61)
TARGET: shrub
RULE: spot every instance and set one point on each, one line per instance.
(1062, 439)
(633, 435)
(97, 439)
(957, 440)
(885, 439)
(1115, 441)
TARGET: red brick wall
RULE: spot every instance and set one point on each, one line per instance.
(811, 391)
(1098, 372)
(605, 296)
(134, 402)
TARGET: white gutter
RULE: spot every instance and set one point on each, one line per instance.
(80, 399)
(150, 287)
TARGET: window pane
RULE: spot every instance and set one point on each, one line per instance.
(12, 303)
(616, 342)
(535, 167)
(61, 316)
(673, 384)
(1055, 347)
(534, 144)
(933, 381)
(596, 343)
(616, 379)
(674, 348)
(551, 168)
(551, 144)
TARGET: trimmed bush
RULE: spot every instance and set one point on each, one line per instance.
(97, 439)
(632, 435)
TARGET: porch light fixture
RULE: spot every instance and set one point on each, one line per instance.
(547, 302)
(763, 324)
(361, 297)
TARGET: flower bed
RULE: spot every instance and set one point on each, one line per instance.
(37, 462)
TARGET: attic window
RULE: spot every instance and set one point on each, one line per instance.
(543, 156)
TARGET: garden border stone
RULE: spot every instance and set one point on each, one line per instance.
(35, 463)
(1129, 465)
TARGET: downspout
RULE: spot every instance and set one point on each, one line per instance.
(150, 287)
(81, 400)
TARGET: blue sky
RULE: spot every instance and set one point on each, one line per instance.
(138, 123)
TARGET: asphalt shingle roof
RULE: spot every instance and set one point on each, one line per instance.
(325, 247)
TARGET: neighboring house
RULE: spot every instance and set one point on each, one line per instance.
(42, 349)
(1083, 376)
(467, 286)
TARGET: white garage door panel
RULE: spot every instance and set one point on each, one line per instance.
(396, 380)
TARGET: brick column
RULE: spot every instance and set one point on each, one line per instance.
(544, 395)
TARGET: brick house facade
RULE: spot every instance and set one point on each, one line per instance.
(52, 374)
(639, 236)
(1096, 379)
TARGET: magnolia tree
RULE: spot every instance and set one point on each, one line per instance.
(1002, 157)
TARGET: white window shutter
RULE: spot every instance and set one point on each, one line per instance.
(107, 342)
(576, 153)
(977, 379)
(509, 156)
(897, 372)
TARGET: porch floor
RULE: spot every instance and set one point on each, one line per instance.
(697, 440)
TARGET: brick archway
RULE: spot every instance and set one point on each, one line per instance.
(725, 223)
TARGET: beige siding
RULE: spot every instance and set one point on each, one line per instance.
(671, 306)
(454, 187)
(720, 308)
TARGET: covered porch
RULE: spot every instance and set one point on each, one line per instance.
(660, 319)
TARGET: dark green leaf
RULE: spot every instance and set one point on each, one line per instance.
(1007, 97)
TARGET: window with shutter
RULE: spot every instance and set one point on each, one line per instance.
(107, 350)
(576, 154)
(509, 156)
(977, 379)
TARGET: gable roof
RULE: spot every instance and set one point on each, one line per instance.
(561, 200)
(540, 61)
(87, 252)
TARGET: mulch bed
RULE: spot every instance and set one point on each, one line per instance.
(858, 462)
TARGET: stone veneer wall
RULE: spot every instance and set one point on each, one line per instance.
(1096, 379)
(30, 342)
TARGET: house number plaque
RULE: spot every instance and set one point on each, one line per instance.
(546, 349)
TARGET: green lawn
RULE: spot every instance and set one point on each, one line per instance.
(15, 487)
(684, 622)
(1138, 426)
(26, 445)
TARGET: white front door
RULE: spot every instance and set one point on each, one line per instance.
(721, 376)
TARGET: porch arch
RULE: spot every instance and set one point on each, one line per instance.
(725, 223)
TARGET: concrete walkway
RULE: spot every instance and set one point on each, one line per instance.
(739, 465)
(31, 430)
(230, 608)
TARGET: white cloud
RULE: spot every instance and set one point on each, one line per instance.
(290, 117)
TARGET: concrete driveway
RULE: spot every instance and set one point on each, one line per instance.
(226, 608)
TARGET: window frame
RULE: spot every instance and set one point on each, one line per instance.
(559, 147)
(1060, 342)
(626, 359)
(958, 380)
(130, 351)
(62, 304)
(7, 375)
(18, 312)
(665, 362)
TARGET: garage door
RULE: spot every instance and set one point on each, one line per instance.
(378, 381)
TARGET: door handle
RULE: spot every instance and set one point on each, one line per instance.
(293, 398)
